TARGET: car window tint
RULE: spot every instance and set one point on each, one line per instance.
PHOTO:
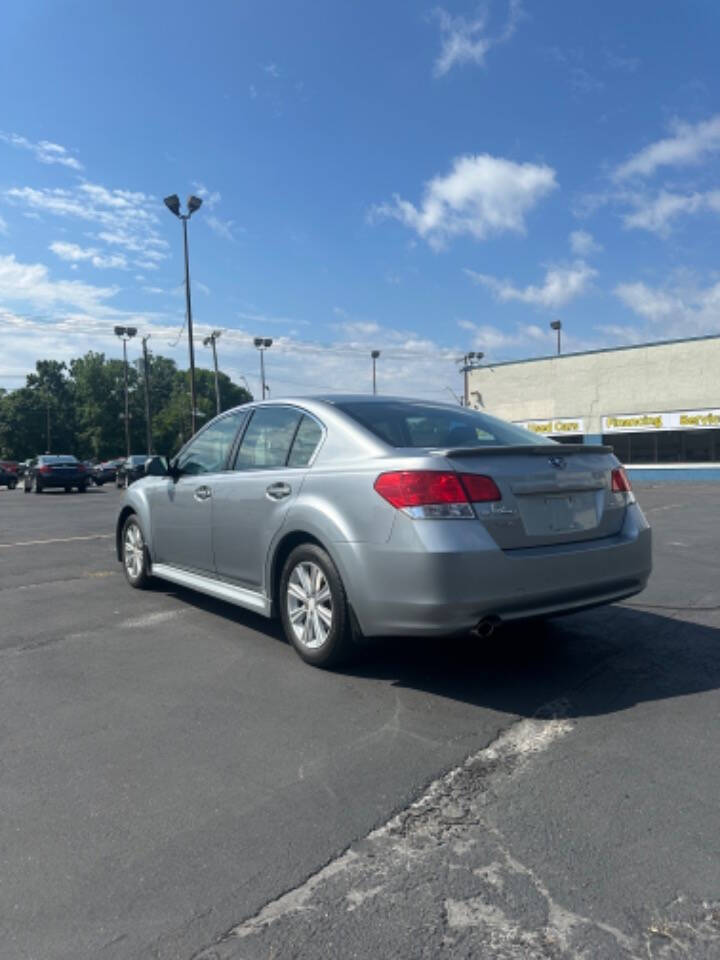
(267, 440)
(305, 443)
(408, 424)
(209, 451)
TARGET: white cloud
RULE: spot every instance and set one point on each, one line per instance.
(31, 283)
(655, 214)
(678, 310)
(272, 70)
(481, 195)
(223, 228)
(211, 198)
(3, 227)
(127, 218)
(467, 40)
(562, 284)
(44, 150)
(74, 253)
(690, 144)
(583, 244)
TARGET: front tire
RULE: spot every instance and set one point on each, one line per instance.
(135, 554)
(314, 608)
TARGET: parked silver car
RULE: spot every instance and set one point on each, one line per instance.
(357, 515)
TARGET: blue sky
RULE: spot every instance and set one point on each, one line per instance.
(418, 179)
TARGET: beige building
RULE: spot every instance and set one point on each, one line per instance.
(656, 403)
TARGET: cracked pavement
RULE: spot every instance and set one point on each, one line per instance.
(176, 784)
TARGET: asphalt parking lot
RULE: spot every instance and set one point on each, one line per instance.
(174, 779)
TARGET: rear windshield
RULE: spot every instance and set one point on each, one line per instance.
(59, 459)
(138, 458)
(403, 423)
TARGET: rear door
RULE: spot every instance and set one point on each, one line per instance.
(251, 504)
(549, 494)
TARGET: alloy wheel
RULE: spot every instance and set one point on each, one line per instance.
(134, 551)
(309, 605)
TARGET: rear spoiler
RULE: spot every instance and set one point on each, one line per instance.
(534, 449)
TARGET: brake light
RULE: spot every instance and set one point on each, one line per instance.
(620, 482)
(435, 494)
(80, 467)
(45, 470)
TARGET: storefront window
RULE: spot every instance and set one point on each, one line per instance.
(666, 446)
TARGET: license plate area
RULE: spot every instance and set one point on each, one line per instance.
(559, 513)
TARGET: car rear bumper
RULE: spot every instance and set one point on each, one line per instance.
(440, 577)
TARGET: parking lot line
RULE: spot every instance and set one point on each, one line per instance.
(34, 543)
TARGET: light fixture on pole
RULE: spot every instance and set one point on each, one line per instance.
(557, 325)
(374, 354)
(173, 204)
(125, 334)
(471, 361)
(210, 341)
(262, 343)
(146, 380)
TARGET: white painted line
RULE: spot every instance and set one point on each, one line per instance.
(36, 543)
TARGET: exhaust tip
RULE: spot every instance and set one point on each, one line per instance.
(485, 628)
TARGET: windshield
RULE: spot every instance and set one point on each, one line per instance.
(404, 423)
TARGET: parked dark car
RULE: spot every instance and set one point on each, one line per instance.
(53, 471)
(8, 478)
(130, 470)
(106, 471)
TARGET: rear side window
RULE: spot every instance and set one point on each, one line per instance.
(305, 443)
(402, 423)
(267, 440)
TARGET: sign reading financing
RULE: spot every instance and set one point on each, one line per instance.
(553, 427)
(677, 420)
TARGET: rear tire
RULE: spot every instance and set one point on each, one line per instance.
(314, 608)
(82, 488)
(135, 557)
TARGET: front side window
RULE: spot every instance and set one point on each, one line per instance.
(209, 451)
(268, 438)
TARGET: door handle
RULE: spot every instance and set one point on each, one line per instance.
(202, 493)
(278, 491)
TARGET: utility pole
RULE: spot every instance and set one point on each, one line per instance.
(146, 378)
(47, 419)
(211, 341)
(374, 354)
(471, 361)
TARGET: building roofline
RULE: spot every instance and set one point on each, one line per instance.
(585, 353)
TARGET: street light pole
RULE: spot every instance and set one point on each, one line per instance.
(146, 378)
(173, 204)
(125, 334)
(211, 340)
(374, 354)
(557, 325)
(262, 343)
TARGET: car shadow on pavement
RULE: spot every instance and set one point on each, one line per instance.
(596, 662)
(599, 661)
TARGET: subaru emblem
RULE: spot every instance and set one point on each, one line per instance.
(559, 462)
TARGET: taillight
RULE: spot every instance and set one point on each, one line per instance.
(80, 467)
(620, 481)
(45, 470)
(435, 494)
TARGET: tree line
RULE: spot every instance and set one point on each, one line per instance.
(78, 407)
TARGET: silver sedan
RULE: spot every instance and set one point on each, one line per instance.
(350, 516)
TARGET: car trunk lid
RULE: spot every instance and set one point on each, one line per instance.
(549, 494)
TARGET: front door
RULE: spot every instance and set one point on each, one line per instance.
(181, 509)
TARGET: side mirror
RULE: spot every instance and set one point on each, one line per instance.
(156, 467)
